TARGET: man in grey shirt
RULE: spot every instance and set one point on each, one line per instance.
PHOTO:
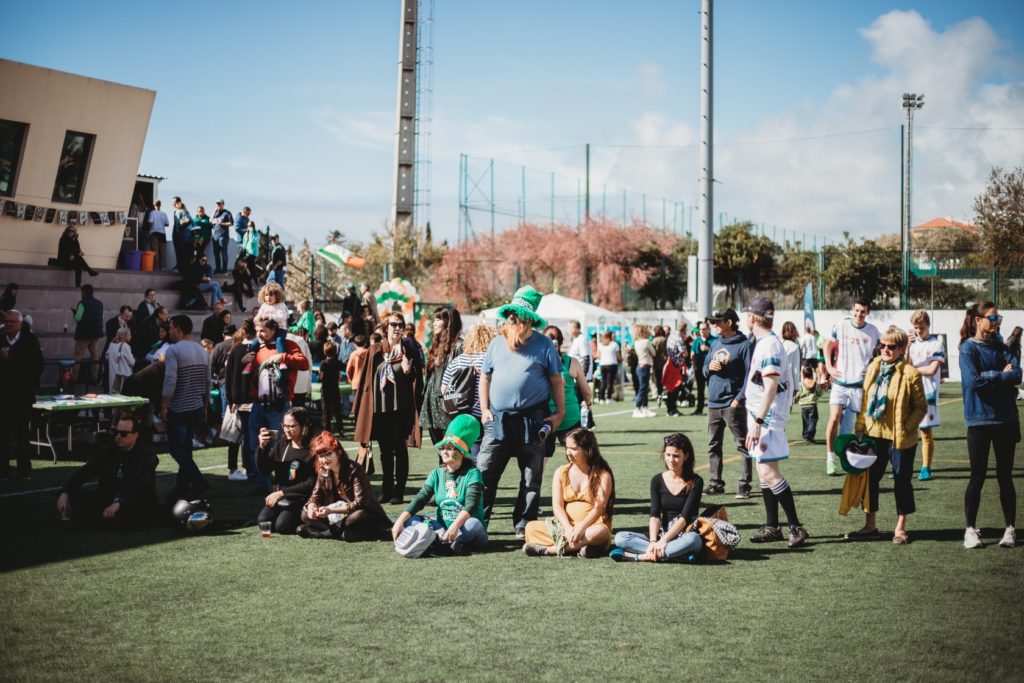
(186, 398)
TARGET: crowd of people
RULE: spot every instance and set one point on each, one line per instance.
(487, 395)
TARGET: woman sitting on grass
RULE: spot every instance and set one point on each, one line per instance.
(342, 503)
(457, 487)
(675, 499)
(291, 465)
(582, 499)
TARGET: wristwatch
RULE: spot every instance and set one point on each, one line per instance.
(759, 420)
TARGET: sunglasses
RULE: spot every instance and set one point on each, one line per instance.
(674, 440)
(994, 319)
(891, 347)
(121, 433)
(398, 325)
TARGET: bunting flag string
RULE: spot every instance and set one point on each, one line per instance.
(47, 214)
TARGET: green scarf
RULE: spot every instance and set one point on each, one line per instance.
(880, 390)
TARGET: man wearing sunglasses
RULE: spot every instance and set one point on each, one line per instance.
(125, 475)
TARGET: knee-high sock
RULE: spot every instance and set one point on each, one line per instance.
(784, 495)
(771, 506)
(927, 448)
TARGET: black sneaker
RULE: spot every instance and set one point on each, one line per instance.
(714, 489)
(742, 493)
(797, 536)
(767, 534)
(535, 550)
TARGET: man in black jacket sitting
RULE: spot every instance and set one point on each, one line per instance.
(125, 475)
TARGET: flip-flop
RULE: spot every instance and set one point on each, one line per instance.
(901, 540)
(862, 535)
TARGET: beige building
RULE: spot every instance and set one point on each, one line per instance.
(69, 145)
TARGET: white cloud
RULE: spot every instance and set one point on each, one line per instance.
(368, 130)
(851, 182)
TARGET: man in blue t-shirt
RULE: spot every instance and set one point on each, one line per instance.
(521, 371)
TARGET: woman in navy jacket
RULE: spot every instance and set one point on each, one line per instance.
(989, 374)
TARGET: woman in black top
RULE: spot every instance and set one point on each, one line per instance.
(675, 499)
(330, 392)
(316, 344)
(290, 464)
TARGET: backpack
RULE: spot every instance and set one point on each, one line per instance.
(415, 540)
(460, 395)
(268, 386)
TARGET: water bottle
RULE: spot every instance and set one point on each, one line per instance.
(584, 416)
(544, 431)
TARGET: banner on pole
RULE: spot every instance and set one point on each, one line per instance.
(809, 307)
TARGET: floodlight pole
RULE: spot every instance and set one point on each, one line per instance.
(911, 101)
(705, 264)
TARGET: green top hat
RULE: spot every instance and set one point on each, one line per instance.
(856, 453)
(462, 433)
(524, 304)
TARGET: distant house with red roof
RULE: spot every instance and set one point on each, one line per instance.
(947, 223)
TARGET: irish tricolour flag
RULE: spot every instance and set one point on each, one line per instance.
(340, 256)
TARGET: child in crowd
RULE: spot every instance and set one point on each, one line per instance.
(807, 397)
(120, 359)
(271, 299)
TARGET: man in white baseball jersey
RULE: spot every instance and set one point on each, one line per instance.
(856, 341)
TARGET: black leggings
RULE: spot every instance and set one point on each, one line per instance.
(394, 463)
(285, 519)
(355, 526)
(1003, 439)
(608, 374)
(330, 410)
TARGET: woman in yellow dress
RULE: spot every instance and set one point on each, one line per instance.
(582, 499)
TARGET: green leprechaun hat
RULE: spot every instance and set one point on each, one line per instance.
(524, 305)
(462, 433)
(856, 453)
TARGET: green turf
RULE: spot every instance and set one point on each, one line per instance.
(157, 607)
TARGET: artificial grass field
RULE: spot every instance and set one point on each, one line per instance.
(155, 606)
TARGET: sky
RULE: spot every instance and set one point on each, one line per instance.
(290, 109)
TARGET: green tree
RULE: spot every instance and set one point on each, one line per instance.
(999, 213)
(862, 269)
(795, 269)
(742, 257)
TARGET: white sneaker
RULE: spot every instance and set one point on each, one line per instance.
(972, 538)
(649, 413)
(1009, 539)
(238, 475)
(637, 412)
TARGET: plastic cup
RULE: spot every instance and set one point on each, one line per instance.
(265, 528)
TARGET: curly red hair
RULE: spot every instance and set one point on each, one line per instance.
(325, 442)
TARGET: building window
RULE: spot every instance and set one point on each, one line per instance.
(74, 162)
(12, 139)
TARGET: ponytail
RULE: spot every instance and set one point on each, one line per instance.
(975, 310)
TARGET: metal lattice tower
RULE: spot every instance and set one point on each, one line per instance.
(412, 143)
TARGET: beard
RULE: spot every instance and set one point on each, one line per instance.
(515, 336)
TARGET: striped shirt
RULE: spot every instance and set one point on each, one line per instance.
(186, 376)
(465, 360)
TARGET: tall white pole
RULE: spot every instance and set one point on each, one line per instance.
(705, 265)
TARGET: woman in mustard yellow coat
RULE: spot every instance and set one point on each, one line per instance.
(894, 405)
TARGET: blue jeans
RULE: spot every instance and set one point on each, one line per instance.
(471, 535)
(263, 416)
(212, 287)
(643, 373)
(276, 275)
(181, 429)
(677, 549)
(220, 251)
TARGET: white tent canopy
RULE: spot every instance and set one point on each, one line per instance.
(559, 310)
